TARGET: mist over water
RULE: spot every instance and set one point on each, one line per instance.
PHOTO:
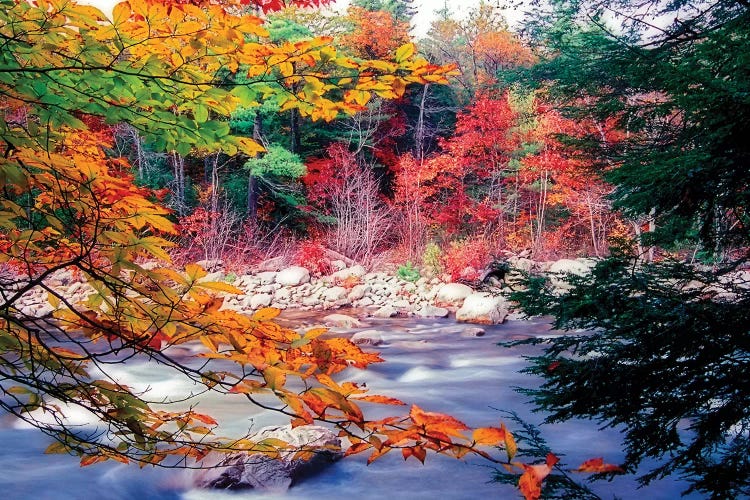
(428, 362)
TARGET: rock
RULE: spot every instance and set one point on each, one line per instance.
(356, 271)
(364, 302)
(338, 265)
(335, 293)
(358, 291)
(473, 332)
(283, 295)
(559, 269)
(402, 304)
(385, 312)
(429, 311)
(274, 264)
(266, 277)
(211, 265)
(520, 263)
(341, 321)
(211, 277)
(483, 308)
(255, 470)
(260, 300)
(452, 295)
(293, 276)
(367, 337)
(311, 301)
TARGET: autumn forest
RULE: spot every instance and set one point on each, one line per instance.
(254, 197)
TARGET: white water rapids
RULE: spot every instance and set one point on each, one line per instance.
(428, 363)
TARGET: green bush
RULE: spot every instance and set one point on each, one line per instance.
(408, 272)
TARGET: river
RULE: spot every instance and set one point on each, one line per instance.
(428, 362)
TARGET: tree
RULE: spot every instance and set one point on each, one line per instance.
(478, 46)
(375, 34)
(68, 209)
(667, 354)
(401, 10)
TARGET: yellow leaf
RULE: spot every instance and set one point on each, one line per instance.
(195, 272)
(121, 13)
(275, 378)
(266, 313)
(405, 52)
(510, 443)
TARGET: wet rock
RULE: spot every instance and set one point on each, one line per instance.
(429, 311)
(473, 332)
(483, 309)
(341, 321)
(245, 470)
(452, 295)
(367, 337)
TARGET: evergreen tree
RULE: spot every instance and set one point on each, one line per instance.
(669, 353)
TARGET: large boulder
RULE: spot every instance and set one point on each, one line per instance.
(565, 267)
(248, 469)
(452, 295)
(293, 276)
(483, 309)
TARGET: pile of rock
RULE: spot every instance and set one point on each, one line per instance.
(382, 294)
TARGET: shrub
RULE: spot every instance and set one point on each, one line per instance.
(312, 256)
(408, 272)
(431, 259)
(465, 258)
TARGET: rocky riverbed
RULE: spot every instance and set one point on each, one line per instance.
(378, 294)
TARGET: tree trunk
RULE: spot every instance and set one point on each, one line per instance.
(419, 134)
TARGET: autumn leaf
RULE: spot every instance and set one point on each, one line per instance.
(510, 443)
(266, 314)
(489, 436)
(598, 466)
(384, 400)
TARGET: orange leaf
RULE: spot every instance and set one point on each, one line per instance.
(417, 452)
(490, 436)
(383, 400)
(204, 418)
(437, 423)
(529, 485)
(87, 460)
(597, 465)
(357, 448)
(265, 314)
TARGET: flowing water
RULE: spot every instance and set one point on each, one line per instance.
(428, 362)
